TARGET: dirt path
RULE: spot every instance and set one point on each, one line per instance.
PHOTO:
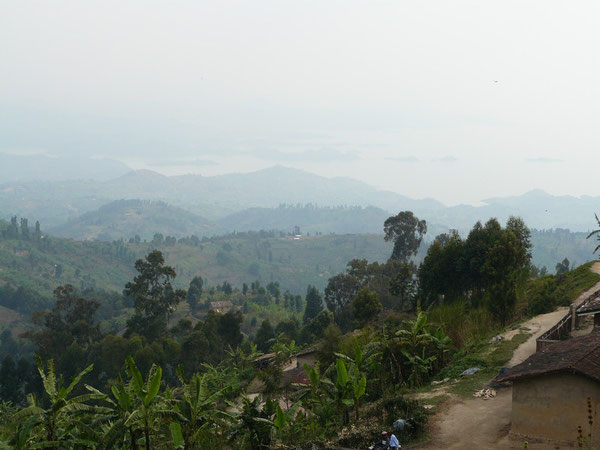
(484, 424)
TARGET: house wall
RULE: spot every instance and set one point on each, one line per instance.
(553, 406)
(308, 358)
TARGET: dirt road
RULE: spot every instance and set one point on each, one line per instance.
(484, 424)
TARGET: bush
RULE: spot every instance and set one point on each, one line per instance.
(544, 296)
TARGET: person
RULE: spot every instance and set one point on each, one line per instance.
(384, 440)
(394, 443)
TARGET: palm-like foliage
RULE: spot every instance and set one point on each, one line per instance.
(357, 379)
(384, 354)
(138, 411)
(415, 334)
(419, 367)
(442, 343)
(595, 232)
(255, 425)
(59, 425)
(197, 409)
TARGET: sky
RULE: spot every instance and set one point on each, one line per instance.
(457, 101)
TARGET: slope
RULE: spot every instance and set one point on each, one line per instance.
(123, 219)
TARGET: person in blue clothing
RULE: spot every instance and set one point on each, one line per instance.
(394, 444)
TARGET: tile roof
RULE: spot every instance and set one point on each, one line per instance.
(225, 304)
(580, 355)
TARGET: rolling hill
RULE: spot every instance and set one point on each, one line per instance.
(123, 219)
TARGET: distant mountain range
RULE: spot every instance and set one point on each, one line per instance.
(254, 201)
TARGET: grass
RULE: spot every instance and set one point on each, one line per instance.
(490, 364)
(579, 280)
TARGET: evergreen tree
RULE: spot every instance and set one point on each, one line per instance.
(194, 292)
(263, 335)
(314, 304)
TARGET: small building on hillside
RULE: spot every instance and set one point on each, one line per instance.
(221, 307)
(293, 369)
(557, 390)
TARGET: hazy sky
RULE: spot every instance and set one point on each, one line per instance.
(456, 100)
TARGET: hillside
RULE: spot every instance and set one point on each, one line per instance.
(123, 219)
(309, 218)
(43, 265)
(552, 246)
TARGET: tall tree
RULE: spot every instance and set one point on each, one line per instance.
(501, 268)
(365, 306)
(314, 303)
(407, 231)
(264, 335)
(154, 297)
(195, 292)
(66, 332)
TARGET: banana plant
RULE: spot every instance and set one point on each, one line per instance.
(419, 367)
(197, 410)
(357, 379)
(344, 398)
(60, 425)
(316, 395)
(122, 405)
(150, 406)
(254, 428)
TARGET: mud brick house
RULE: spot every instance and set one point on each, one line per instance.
(557, 390)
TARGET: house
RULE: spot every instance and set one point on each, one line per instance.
(557, 390)
(293, 369)
(221, 307)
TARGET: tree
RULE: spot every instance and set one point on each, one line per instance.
(274, 289)
(154, 297)
(66, 330)
(264, 335)
(25, 229)
(502, 266)
(403, 284)
(407, 231)
(229, 328)
(365, 306)
(563, 267)
(314, 304)
(443, 273)
(9, 381)
(195, 292)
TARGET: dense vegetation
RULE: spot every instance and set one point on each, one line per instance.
(172, 361)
